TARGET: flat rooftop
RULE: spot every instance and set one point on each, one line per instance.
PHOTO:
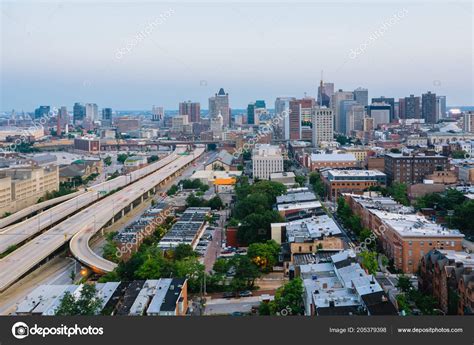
(333, 157)
(414, 225)
(312, 228)
(355, 173)
(299, 206)
(296, 197)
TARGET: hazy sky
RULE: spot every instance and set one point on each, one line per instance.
(58, 53)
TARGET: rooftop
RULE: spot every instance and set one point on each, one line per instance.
(414, 225)
(312, 228)
(296, 197)
(333, 157)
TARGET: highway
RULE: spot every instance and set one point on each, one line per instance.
(18, 233)
(86, 222)
(15, 217)
(102, 214)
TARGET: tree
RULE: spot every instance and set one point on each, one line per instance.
(462, 218)
(367, 234)
(317, 183)
(245, 273)
(173, 190)
(458, 154)
(288, 300)
(404, 284)
(192, 269)
(153, 158)
(215, 203)
(301, 180)
(108, 161)
(264, 255)
(369, 261)
(256, 226)
(182, 251)
(87, 303)
(221, 266)
(122, 157)
(399, 193)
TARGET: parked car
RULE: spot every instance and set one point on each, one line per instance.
(228, 295)
(246, 293)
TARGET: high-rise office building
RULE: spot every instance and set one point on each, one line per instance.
(42, 110)
(402, 108)
(192, 109)
(219, 104)
(440, 107)
(92, 112)
(428, 107)
(468, 122)
(412, 107)
(361, 96)
(282, 109)
(336, 100)
(107, 116)
(380, 113)
(78, 112)
(344, 110)
(387, 100)
(325, 93)
(300, 118)
(322, 125)
(63, 116)
(157, 113)
(355, 118)
(251, 114)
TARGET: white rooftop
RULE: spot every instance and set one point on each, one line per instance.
(311, 228)
(333, 157)
(299, 205)
(414, 225)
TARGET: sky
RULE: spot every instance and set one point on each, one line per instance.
(61, 52)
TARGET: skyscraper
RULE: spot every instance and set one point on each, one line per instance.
(389, 101)
(336, 100)
(468, 122)
(92, 112)
(282, 109)
(192, 109)
(440, 107)
(355, 120)
(380, 113)
(300, 118)
(43, 110)
(219, 103)
(345, 107)
(412, 107)
(78, 112)
(428, 107)
(107, 116)
(325, 93)
(322, 125)
(157, 113)
(251, 114)
(361, 95)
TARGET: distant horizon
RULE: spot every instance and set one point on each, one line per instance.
(163, 53)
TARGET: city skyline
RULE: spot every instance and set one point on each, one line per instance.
(252, 51)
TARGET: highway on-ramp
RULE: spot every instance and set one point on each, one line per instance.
(25, 258)
(79, 244)
(18, 233)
